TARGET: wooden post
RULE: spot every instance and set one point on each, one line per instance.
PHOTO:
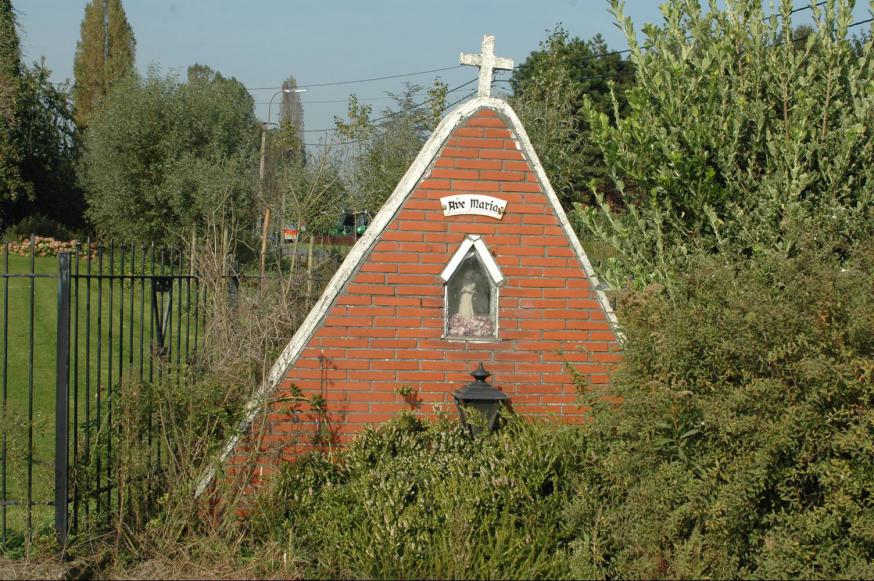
(265, 229)
(310, 267)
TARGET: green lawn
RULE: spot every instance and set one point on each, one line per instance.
(90, 363)
(17, 360)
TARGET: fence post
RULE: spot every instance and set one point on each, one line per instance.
(62, 399)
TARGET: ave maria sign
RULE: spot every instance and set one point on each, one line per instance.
(473, 204)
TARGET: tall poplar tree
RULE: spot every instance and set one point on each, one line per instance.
(12, 185)
(105, 52)
(291, 110)
(289, 144)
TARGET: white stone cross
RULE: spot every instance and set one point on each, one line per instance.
(487, 62)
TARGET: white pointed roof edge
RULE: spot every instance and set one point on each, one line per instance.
(382, 219)
(475, 241)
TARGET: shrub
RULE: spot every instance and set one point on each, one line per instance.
(414, 499)
(44, 247)
(743, 446)
(40, 226)
(733, 136)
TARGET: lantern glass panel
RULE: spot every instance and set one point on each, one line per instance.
(478, 416)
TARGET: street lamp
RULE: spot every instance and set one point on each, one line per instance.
(280, 91)
(262, 170)
(481, 398)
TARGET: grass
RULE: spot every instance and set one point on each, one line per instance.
(89, 362)
(24, 366)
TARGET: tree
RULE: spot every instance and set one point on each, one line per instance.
(735, 141)
(590, 66)
(548, 92)
(312, 196)
(38, 145)
(385, 147)
(276, 154)
(12, 184)
(161, 157)
(310, 190)
(291, 114)
(49, 147)
(104, 54)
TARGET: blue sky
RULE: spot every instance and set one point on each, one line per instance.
(260, 42)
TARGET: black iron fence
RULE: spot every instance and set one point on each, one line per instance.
(84, 329)
(78, 329)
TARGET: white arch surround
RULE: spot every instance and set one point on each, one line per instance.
(476, 242)
(358, 255)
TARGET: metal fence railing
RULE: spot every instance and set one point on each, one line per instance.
(19, 376)
(77, 330)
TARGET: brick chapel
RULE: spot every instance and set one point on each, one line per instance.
(471, 260)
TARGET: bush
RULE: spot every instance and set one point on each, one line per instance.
(44, 247)
(414, 499)
(40, 226)
(733, 136)
(743, 446)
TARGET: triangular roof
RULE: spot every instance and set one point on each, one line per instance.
(359, 253)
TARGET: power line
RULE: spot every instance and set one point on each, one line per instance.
(793, 11)
(332, 100)
(633, 71)
(450, 105)
(628, 50)
(617, 75)
(598, 77)
(866, 21)
(335, 83)
(851, 25)
(454, 103)
(441, 69)
(414, 107)
(800, 8)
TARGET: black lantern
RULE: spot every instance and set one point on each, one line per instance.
(478, 395)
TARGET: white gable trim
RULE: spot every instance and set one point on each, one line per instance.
(359, 252)
(534, 161)
(475, 241)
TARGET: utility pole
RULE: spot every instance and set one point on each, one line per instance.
(265, 222)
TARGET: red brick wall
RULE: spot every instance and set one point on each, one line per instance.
(384, 330)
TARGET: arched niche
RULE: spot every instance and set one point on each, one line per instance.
(471, 292)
